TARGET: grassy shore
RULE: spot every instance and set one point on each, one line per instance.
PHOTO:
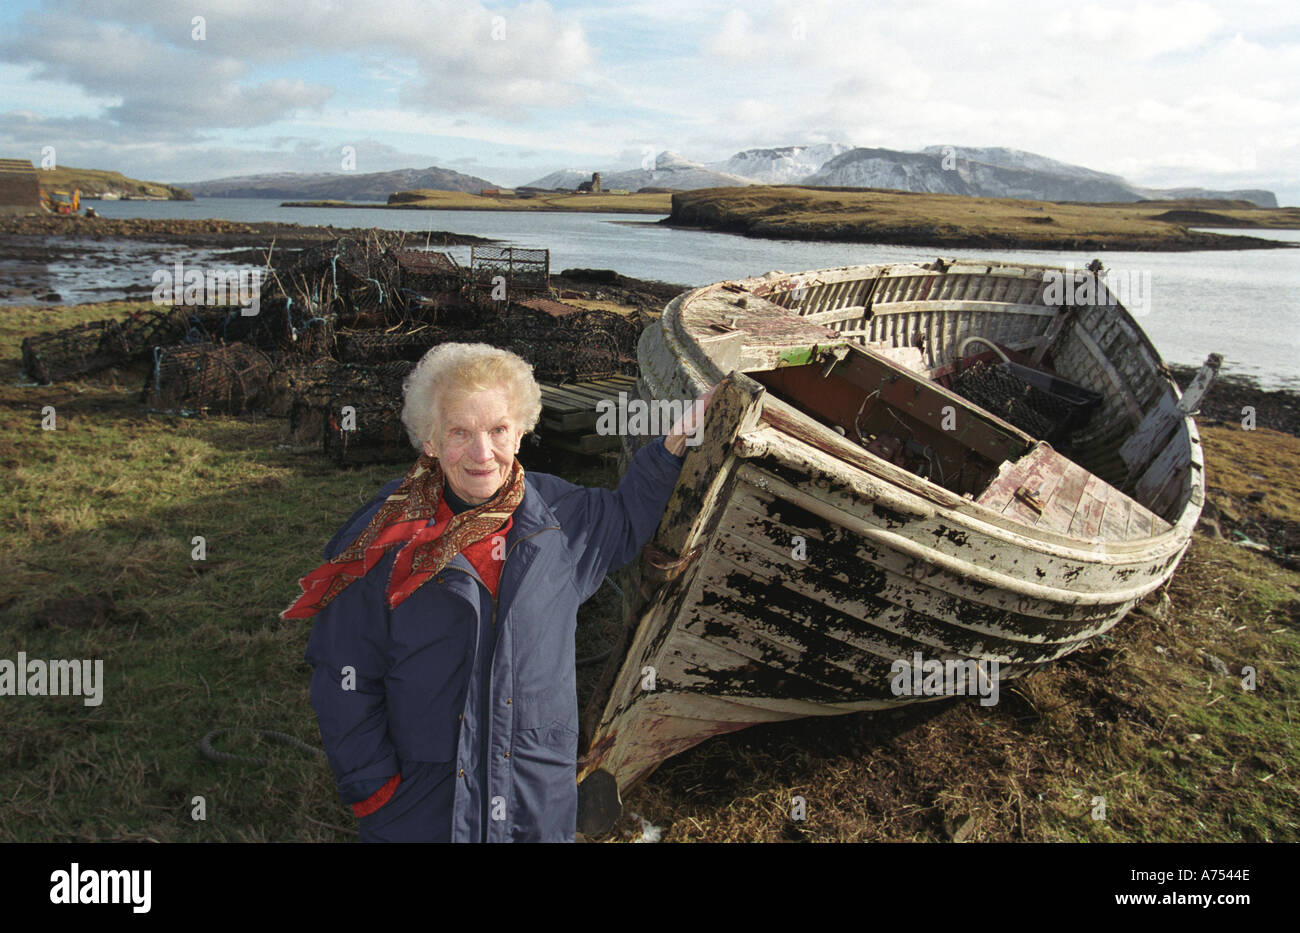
(427, 200)
(93, 181)
(97, 526)
(947, 220)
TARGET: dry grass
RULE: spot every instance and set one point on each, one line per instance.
(96, 525)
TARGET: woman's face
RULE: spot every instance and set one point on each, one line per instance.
(476, 442)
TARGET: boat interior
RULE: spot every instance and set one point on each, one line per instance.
(1021, 408)
(925, 427)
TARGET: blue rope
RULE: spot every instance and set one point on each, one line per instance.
(196, 334)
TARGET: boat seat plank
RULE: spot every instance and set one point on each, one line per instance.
(1036, 488)
(999, 492)
(1142, 522)
(1060, 509)
(1087, 519)
(1114, 520)
(1139, 523)
(1073, 501)
(1011, 475)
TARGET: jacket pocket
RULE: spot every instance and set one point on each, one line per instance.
(544, 785)
(555, 707)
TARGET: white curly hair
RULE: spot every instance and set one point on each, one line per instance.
(452, 371)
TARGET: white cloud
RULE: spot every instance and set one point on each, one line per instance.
(1135, 88)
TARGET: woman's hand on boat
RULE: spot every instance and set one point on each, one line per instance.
(689, 429)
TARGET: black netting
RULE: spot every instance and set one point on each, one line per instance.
(352, 411)
(339, 325)
(1006, 391)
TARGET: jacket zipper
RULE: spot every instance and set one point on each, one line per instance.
(492, 660)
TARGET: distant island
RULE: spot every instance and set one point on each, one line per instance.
(864, 215)
(337, 186)
(658, 203)
(860, 215)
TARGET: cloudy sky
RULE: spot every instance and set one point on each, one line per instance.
(1164, 93)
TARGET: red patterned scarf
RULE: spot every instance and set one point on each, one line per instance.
(404, 519)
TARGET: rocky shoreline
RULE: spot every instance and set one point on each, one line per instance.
(200, 233)
(114, 257)
(1274, 409)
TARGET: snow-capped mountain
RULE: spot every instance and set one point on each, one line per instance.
(670, 171)
(946, 172)
(990, 171)
(567, 178)
(785, 165)
(1019, 159)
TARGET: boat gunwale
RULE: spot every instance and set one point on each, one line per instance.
(974, 517)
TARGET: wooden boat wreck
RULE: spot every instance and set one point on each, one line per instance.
(899, 459)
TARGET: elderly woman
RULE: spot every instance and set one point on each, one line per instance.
(443, 649)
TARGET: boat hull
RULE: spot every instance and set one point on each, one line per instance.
(793, 574)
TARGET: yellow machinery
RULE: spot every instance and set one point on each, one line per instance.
(62, 202)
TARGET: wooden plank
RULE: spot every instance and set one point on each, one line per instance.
(1114, 520)
(554, 398)
(570, 421)
(1010, 477)
(1004, 486)
(835, 315)
(1039, 482)
(1175, 457)
(1061, 507)
(612, 386)
(735, 407)
(1151, 435)
(1191, 400)
(591, 396)
(1049, 338)
(566, 411)
(1139, 523)
(1111, 374)
(1087, 519)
